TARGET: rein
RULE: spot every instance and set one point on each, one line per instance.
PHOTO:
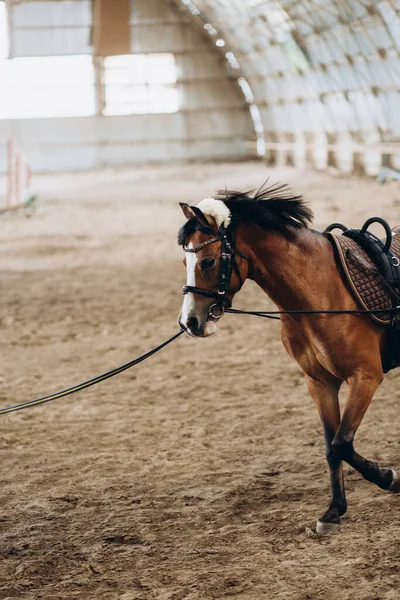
(89, 382)
(273, 314)
(270, 314)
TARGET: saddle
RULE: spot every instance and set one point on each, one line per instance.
(371, 268)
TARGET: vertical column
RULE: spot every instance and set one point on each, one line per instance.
(111, 27)
(320, 153)
(9, 29)
(281, 153)
(372, 159)
(100, 92)
(300, 150)
(344, 154)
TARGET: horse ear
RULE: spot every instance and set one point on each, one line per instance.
(200, 216)
(187, 211)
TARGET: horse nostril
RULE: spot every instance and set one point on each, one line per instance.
(193, 324)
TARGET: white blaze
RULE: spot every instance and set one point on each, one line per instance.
(188, 301)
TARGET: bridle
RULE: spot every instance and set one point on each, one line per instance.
(228, 265)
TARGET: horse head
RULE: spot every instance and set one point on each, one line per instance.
(213, 272)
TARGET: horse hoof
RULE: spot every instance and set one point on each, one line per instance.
(324, 528)
(395, 485)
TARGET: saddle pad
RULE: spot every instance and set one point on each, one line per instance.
(362, 275)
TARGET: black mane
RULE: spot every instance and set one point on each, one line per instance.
(189, 228)
(272, 207)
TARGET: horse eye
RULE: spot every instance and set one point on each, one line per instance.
(207, 263)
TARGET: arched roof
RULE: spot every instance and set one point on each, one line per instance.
(314, 65)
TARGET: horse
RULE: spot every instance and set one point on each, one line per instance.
(266, 237)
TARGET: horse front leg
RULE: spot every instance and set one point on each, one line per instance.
(325, 397)
(362, 388)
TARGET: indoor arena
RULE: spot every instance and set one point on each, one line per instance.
(200, 473)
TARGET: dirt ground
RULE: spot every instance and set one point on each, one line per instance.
(199, 474)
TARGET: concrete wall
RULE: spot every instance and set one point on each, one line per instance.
(212, 123)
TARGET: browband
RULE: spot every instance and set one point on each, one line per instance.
(203, 244)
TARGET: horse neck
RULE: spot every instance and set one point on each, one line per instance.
(288, 268)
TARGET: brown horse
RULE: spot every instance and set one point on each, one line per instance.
(235, 236)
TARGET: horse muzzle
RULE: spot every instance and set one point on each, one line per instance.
(199, 328)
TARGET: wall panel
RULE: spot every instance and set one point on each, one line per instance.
(213, 121)
(50, 28)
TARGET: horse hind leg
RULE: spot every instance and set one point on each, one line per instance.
(325, 397)
(395, 485)
(361, 390)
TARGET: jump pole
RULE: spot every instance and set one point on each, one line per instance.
(18, 179)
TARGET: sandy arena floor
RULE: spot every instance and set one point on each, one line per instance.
(201, 473)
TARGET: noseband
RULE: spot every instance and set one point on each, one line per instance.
(228, 264)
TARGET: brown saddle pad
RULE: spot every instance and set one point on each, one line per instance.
(362, 275)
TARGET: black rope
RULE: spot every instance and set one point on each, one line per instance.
(90, 382)
(255, 313)
(270, 314)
